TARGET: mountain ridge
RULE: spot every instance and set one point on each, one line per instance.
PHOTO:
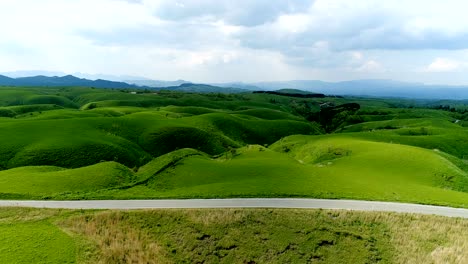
(67, 80)
(365, 87)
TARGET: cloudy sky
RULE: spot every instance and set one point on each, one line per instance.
(241, 40)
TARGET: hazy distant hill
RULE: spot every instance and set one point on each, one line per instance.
(202, 88)
(240, 85)
(377, 88)
(293, 91)
(6, 80)
(19, 74)
(156, 83)
(109, 77)
(68, 80)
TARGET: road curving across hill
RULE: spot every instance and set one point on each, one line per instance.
(245, 203)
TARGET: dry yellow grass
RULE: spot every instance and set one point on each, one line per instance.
(225, 216)
(420, 238)
(429, 239)
(116, 242)
(411, 238)
(28, 214)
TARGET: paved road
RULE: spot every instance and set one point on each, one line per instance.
(245, 203)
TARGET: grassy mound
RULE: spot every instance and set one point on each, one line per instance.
(304, 166)
(64, 142)
(61, 114)
(161, 163)
(315, 167)
(429, 133)
(268, 114)
(81, 152)
(43, 181)
(51, 99)
(167, 139)
(118, 103)
(6, 112)
(259, 131)
(192, 110)
(73, 138)
(19, 110)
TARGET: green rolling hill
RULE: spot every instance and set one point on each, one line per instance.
(74, 143)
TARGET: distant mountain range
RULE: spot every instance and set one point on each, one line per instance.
(202, 88)
(373, 88)
(156, 83)
(68, 80)
(109, 77)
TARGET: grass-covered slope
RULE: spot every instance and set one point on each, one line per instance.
(381, 150)
(68, 143)
(298, 166)
(430, 133)
(44, 181)
(310, 167)
(372, 164)
(71, 139)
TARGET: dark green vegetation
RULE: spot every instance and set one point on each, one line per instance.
(85, 143)
(293, 93)
(228, 236)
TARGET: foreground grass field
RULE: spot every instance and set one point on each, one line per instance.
(229, 236)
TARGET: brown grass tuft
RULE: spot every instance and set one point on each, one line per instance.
(210, 216)
(116, 242)
(411, 238)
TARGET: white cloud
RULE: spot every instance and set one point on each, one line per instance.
(297, 23)
(443, 65)
(244, 12)
(356, 55)
(225, 40)
(370, 66)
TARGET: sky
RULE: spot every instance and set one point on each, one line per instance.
(241, 40)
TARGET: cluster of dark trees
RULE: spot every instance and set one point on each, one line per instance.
(330, 116)
(446, 108)
(299, 95)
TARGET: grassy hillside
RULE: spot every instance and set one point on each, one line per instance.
(228, 236)
(310, 167)
(238, 145)
(304, 166)
(72, 138)
(42, 181)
